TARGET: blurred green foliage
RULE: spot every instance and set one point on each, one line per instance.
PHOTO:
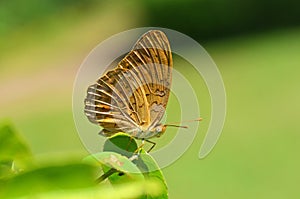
(20, 176)
(210, 19)
(18, 13)
(49, 178)
(36, 180)
(204, 19)
(14, 152)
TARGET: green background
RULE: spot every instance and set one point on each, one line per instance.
(43, 44)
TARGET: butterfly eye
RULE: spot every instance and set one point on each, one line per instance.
(158, 129)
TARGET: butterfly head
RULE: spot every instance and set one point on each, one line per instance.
(159, 129)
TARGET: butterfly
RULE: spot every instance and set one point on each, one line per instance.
(132, 98)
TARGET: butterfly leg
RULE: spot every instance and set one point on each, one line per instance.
(143, 143)
(137, 151)
(153, 145)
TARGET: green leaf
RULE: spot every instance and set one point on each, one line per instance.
(126, 145)
(121, 164)
(13, 152)
(121, 143)
(113, 160)
(51, 178)
(152, 171)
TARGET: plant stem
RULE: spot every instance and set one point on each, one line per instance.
(106, 175)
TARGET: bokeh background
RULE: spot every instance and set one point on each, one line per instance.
(256, 45)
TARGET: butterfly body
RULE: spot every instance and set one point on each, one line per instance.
(132, 98)
(157, 131)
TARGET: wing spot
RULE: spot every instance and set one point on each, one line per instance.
(160, 93)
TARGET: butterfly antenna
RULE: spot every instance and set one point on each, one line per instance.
(173, 124)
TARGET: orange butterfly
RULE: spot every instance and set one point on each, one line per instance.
(132, 98)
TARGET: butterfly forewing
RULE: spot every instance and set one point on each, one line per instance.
(132, 98)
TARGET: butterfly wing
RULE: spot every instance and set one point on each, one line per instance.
(151, 60)
(132, 98)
